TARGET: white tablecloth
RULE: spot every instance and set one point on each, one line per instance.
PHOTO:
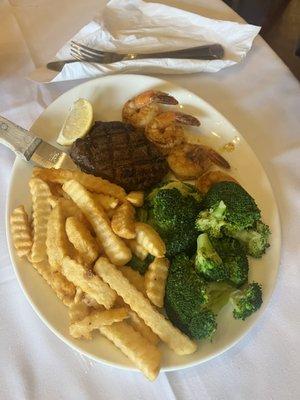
(262, 99)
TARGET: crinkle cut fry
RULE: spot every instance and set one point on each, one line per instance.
(175, 339)
(155, 280)
(147, 237)
(57, 242)
(90, 182)
(137, 249)
(81, 238)
(41, 207)
(140, 326)
(114, 247)
(139, 350)
(88, 282)
(95, 320)
(122, 222)
(135, 278)
(21, 231)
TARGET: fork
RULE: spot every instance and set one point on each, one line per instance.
(81, 52)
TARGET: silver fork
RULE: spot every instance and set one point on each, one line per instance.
(84, 53)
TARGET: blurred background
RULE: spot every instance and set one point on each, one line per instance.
(280, 21)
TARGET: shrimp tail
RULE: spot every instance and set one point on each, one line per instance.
(164, 98)
(186, 119)
(217, 159)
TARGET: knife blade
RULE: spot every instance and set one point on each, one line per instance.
(31, 148)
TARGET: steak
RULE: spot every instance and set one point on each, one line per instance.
(115, 151)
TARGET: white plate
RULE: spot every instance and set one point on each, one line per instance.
(107, 95)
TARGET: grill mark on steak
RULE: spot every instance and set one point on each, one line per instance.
(115, 151)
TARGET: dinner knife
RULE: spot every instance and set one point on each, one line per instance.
(31, 148)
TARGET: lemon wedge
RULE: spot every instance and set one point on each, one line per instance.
(77, 123)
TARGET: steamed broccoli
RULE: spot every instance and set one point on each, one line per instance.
(182, 240)
(141, 265)
(185, 297)
(255, 240)
(208, 262)
(246, 301)
(234, 259)
(191, 303)
(228, 205)
(212, 220)
(172, 209)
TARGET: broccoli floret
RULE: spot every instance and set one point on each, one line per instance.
(185, 297)
(208, 262)
(246, 301)
(182, 240)
(241, 210)
(234, 259)
(191, 303)
(172, 210)
(140, 265)
(212, 220)
(203, 324)
(255, 240)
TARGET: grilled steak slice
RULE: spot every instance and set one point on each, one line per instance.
(115, 151)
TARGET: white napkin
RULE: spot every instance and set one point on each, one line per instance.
(134, 26)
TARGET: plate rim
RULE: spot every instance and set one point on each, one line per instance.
(67, 341)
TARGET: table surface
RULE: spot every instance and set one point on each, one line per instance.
(262, 99)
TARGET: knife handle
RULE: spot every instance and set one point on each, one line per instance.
(17, 139)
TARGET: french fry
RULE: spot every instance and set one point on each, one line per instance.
(105, 201)
(78, 309)
(70, 209)
(155, 280)
(137, 249)
(82, 240)
(135, 278)
(95, 320)
(114, 247)
(40, 194)
(88, 282)
(175, 339)
(147, 237)
(57, 241)
(20, 231)
(122, 222)
(90, 302)
(139, 350)
(136, 198)
(139, 325)
(90, 182)
(63, 289)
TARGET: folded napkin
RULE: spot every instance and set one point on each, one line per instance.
(134, 26)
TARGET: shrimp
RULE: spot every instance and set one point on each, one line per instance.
(188, 161)
(207, 180)
(141, 109)
(165, 130)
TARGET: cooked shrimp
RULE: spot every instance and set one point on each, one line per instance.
(207, 180)
(141, 109)
(188, 161)
(165, 130)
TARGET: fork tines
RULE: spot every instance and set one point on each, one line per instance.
(85, 53)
